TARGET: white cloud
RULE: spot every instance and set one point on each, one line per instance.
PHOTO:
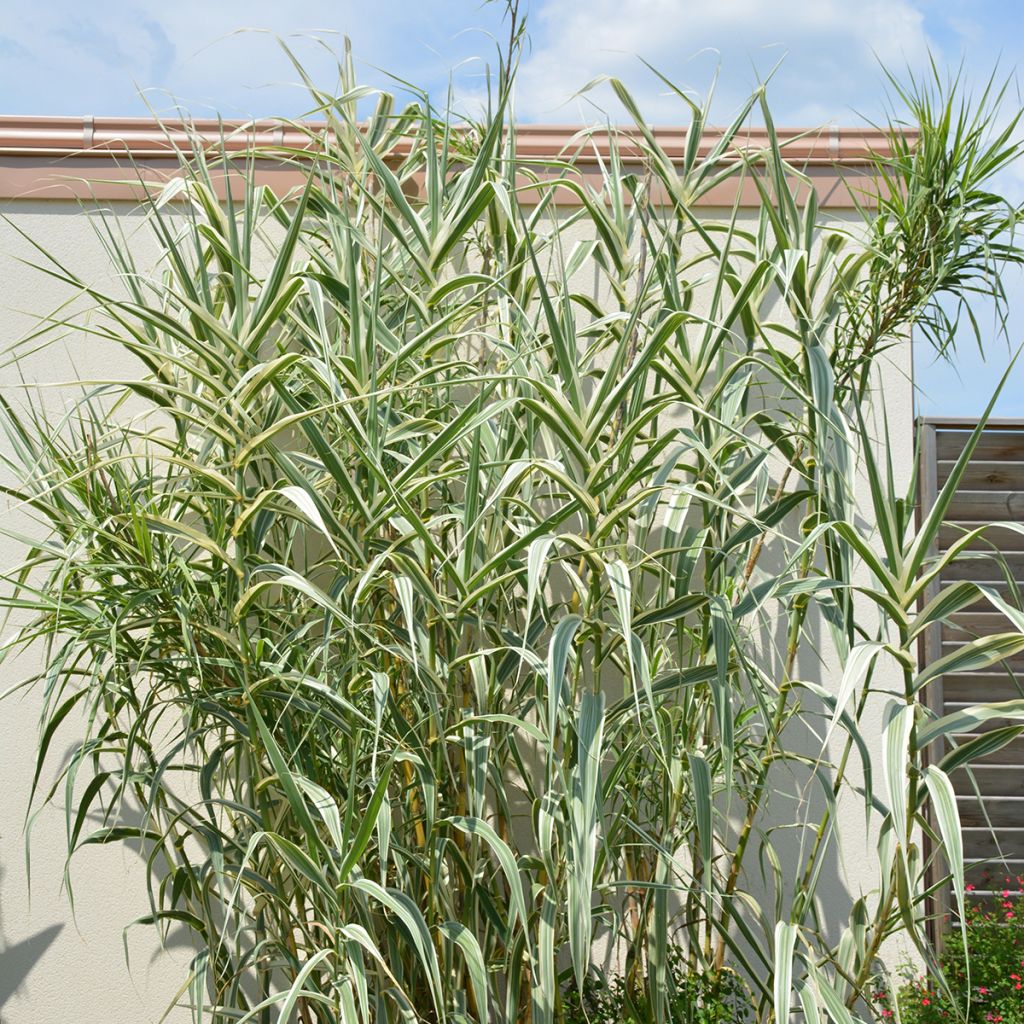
(832, 49)
(62, 57)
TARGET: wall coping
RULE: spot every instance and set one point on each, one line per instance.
(109, 158)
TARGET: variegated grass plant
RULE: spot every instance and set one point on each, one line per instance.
(440, 630)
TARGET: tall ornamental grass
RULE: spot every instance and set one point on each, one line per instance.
(443, 631)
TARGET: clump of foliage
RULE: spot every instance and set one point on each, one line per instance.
(432, 624)
(984, 975)
(693, 998)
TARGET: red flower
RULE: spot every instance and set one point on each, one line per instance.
(926, 1002)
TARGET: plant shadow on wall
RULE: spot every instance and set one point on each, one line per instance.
(17, 959)
(452, 625)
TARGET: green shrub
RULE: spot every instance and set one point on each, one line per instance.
(989, 969)
(694, 998)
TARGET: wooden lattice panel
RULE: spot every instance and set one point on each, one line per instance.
(991, 802)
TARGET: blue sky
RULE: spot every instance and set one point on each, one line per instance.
(66, 57)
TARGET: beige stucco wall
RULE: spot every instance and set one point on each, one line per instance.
(59, 967)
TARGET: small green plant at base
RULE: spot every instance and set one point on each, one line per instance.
(694, 998)
(989, 969)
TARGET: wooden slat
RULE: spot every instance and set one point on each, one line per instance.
(993, 539)
(1012, 755)
(979, 843)
(982, 568)
(980, 619)
(1014, 664)
(981, 475)
(987, 506)
(986, 476)
(991, 781)
(953, 706)
(1006, 812)
(970, 625)
(993, 446)
(1000, 586)
(979, 687)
